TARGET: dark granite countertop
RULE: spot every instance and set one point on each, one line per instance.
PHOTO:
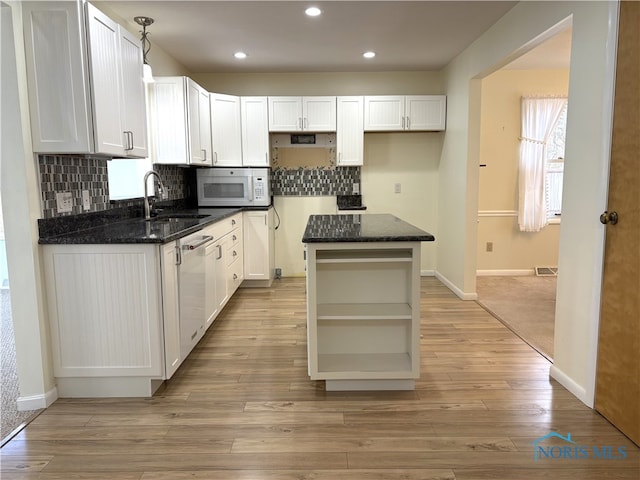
(362, 228)
(111, 229)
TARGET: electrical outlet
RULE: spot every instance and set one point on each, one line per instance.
(356, 188)
(489, 246)
(278, 273)
(397, 188)
(86, 200)
(64, 202)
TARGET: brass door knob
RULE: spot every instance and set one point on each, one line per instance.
(609, 217)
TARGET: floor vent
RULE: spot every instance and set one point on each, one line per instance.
(546, 271)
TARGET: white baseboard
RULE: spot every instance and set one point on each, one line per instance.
(455, 289)
(568, 383)
(36, 402)
(427, 273)
(506, 272)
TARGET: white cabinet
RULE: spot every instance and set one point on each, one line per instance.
(350, 131)
(297, 114)
(170, 308)
(180, 119)
(402, 113)
(254, 115)
(226, 130)
(223, 257)
(84, 72)
(363, 314)
(106, 318)
(259, 241)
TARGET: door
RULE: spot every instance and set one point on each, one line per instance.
(133, 95)
(225, 128)
(199, 124)
(350, 131)
(618, 365)
(104, 44)
(255, 131)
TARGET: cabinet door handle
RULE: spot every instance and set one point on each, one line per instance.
(233, 222)
(215, 157)
(129, 140)
(219, 252)
(408, 123)
(235, 277)
(306, 123)
(402, 123)
(235, 254)
(235, 238)
(300, 123)
(204, 150)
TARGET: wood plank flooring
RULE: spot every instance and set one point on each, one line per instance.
(242, 407)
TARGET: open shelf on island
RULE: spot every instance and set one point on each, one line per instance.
(364, 311)
(365, 365)
(364, 255)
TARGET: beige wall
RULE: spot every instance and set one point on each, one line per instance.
(411, 160)
(513, 250)
(371, 83)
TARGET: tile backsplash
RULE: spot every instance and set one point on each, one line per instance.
(75, 173)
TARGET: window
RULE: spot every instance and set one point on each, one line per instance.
(126, 178)
(554, 167)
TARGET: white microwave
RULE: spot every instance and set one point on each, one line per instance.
(234, 187)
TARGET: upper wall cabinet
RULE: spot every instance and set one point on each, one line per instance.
(84, 73)
(226, 130)
(255, 131)
(298, 114)
(402, 113)
(350, 131)
(180, 119)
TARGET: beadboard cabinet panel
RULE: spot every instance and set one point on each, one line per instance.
(105, 310)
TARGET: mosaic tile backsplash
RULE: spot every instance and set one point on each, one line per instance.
(299, 176)
(74, 173)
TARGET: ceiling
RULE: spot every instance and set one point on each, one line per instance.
(278, 37)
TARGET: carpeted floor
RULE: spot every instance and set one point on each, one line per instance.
(11, 418)
(526, 305)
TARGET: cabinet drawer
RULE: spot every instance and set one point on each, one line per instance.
(224, 226)
(234, 252)
(236, 274)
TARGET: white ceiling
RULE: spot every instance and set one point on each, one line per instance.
(279, 37)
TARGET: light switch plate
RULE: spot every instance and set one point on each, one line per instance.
(397, 188)
(64, 202)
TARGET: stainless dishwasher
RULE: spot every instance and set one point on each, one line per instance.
(192, 289)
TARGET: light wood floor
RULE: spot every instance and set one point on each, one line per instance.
(242, 407)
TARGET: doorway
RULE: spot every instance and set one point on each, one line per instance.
(517, 271)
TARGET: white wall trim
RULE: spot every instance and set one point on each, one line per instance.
(506, 273)
(568, 383)
(36, 402)
(454, 289)
(427, 273)
(497, 213)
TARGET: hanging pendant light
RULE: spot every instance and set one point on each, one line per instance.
(144, 22)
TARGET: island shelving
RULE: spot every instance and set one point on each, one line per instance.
(363, 301)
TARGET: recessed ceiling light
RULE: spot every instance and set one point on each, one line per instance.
(240, 55)
(369, 54)
(313, 11)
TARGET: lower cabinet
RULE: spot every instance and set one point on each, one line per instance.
(223, 259)
(114, 310)
(107, 312)
(259, 241)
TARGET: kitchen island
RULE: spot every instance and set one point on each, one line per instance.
(363, 301)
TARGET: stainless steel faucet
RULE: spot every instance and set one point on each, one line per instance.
(161, 192)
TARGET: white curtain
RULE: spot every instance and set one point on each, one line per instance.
(539, 117)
